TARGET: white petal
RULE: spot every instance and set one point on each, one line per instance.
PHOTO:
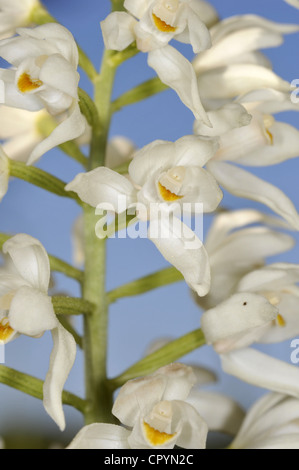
(285, 146)
(118, 30)
(230, 116)
(57, 73)
(179, 380)
(237, 321)
(206, 12)
(224, 223)
(178, 73)
(61, 361)
(274, 277)
(137, 7)
(30, 259)
(294, 3)
(183, 249)
(220, 412)
(161, 155)
(288, 441)
(194, 429)
(71, 128)
(31, 312)
(261, 370)
(199, 35)
(4, 174)
(236, 44)
(241, 183)
(228, 82)
(101, 436)
(103, 186)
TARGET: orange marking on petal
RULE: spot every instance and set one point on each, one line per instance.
(270, 135)
(26, 83)
(5, 330)
(155, 437)
(280, 320)
(168, 195)
(162, 26)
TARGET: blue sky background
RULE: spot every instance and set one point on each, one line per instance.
(170, 311)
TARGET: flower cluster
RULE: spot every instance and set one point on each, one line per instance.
(234, 95)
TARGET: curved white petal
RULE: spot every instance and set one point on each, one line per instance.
(262, 370)
(228, 117)
(199, 36)
(206, 12)
(182, 248)
(4, 174)
(30, 260)
(236, 44)
(118, 30)
(237, 321)
(61, 361)
(179, 380)
(103, 186)
(241, 183)
(71, 128)
(220, 412)
(233, 80)
(137, 7)
(59, 74)
(101, 436)
(178, 73)
(31, 312)
(285, 146)
(294, 3)
(194, 429)
(160, 155)
(274, 277)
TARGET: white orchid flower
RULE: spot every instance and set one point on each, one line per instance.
(277, 283)
(237, 243)
(153, 24)
(13, 14)
(155, 413)
(43, 75)
(163, 177)
(271, 423)
(26, 308)
(262, 142)
(4, 173)
(234, 64)
(243, 319)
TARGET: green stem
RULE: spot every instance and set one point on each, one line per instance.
(40, 178)
(98, 394)
(173, 351)
(139, 93)
(140, 286)
(71, 306)
(34, 387)
(39, 15)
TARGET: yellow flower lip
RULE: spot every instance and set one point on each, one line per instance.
(162, 25)
(27, 84)
(167, 195)
(281, 321)
(155, 437)
(5, 330)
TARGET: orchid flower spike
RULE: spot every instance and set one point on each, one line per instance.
(44, 75)
(26, 308)
(13, 14)
(153, 24)
(165, 177)
(271, 423)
